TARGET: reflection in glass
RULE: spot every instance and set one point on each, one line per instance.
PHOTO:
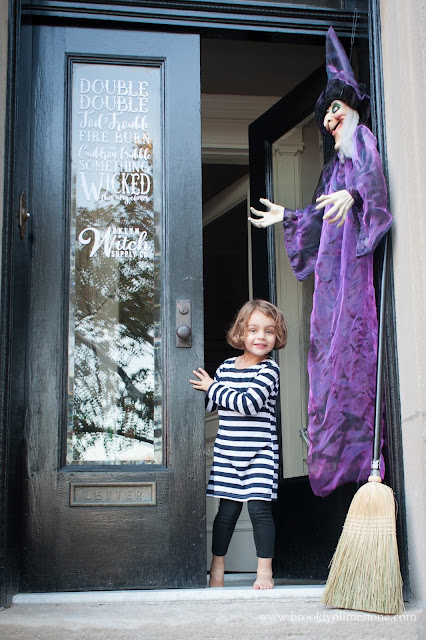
(114, 373)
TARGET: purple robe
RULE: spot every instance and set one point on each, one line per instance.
(343, 351)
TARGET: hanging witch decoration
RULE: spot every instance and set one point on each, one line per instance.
(335, 238)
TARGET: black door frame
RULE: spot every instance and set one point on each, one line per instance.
(231, 19)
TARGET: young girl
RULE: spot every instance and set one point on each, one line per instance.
(245, 460)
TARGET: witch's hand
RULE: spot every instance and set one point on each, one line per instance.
(204, 383)
(341, 202)
(266, 218)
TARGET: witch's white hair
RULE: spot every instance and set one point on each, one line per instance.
(349, 125)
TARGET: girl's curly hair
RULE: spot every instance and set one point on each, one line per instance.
(238, 330)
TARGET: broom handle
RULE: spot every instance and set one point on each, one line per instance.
(375, 465)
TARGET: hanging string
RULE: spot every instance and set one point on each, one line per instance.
(354, 25)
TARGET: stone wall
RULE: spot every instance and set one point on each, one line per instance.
(404, 67)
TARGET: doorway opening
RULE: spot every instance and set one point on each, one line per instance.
(240, 80)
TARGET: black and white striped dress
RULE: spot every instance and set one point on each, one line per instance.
(245, 455)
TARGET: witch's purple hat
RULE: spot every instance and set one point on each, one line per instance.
(342, 84)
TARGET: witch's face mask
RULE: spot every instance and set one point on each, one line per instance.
(334, 119)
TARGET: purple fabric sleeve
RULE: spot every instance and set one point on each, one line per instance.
(302, 230)
(368, 180)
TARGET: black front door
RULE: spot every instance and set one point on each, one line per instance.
(110, 434)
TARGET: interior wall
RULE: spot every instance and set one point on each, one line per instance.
(298, 161)
(252, 75)
(404, 74)
(242, 67)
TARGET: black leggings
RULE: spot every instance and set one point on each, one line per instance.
(261, 518)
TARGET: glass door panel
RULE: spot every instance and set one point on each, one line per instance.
(114, 382)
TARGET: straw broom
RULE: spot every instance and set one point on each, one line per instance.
(364, 571)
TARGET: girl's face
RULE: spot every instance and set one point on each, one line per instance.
(260, 335)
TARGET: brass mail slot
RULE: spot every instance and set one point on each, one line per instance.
(126, 494)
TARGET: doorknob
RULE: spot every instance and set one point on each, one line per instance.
(183, 323)
(183, 331)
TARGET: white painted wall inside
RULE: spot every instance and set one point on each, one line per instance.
(404, 75)
(297, 162)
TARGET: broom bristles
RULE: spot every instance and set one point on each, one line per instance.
(365, 573)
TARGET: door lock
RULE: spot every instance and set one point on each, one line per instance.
(183, 323)
(22, 215)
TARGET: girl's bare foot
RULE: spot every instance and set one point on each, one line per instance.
(264, 579)
(217, 571)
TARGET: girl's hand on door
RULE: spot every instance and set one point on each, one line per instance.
(266, 218)
(204, 383)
